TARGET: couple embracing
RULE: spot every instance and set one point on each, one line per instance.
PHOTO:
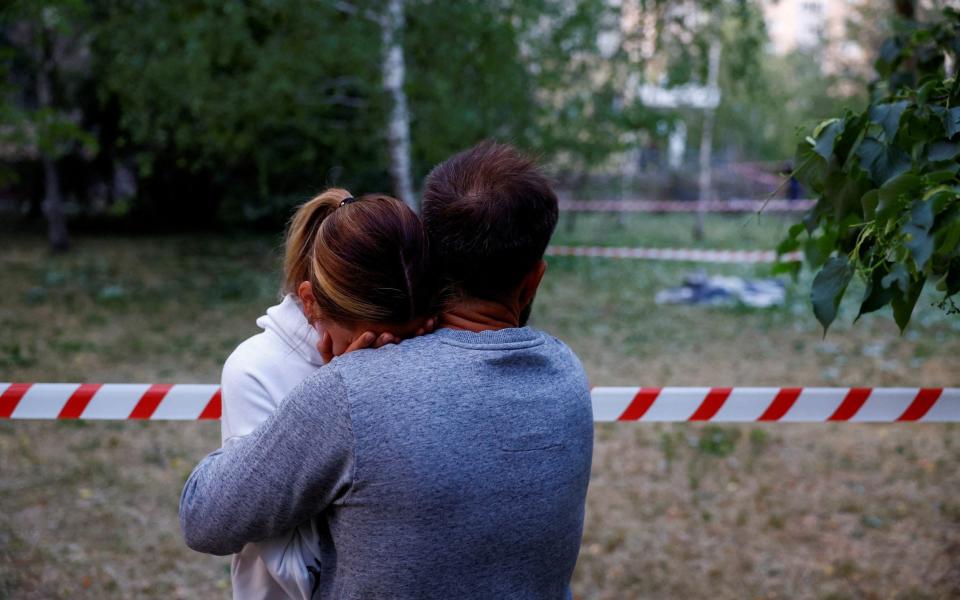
(397, 431)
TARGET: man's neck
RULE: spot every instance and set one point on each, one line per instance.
(475, 315)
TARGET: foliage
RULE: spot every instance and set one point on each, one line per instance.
(237, 110)
(760, 121)
(581, 115)
(467, 83)
(536, 73)
(244, 102)
(43, 33)
(764, 96)
(888, 182)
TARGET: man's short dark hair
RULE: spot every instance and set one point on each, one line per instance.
(489, 214)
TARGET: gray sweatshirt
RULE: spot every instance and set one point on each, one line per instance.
(453, 465)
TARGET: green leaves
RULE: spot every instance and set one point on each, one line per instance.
(941, 150)
(951, 121)
(890, 53)
(888, 117)
(895, 194)
(845, 191)
(904, 301)
(869, 202)
(828, 288)
(883, 162)
(812, 168)
(876, 296)
(919, 241)
(947, 236)
(826, 135)
(888, 185)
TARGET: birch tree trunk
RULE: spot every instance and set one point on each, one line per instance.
(52, 198)
(398, 127)
(705, 181)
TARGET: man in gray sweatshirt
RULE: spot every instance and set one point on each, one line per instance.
(452, 465)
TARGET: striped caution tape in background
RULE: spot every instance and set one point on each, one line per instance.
(188, 402)
(676, 254)
(675, 206)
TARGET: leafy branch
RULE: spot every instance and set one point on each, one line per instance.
(887, 181)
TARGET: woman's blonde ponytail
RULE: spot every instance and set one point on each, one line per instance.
(301, 236)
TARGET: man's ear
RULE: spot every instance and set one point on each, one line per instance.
(531, 281)
(307, 300)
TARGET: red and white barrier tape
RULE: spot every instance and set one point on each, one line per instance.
(188, 402)
(180, 402)
(797, 405)
(674, 206)
(676, 254)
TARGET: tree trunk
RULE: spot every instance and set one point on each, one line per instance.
(398, 128)
(705, 182)
(53, 208)
(52, 198)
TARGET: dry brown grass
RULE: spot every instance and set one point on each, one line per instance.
(795, 511)
(773, 511)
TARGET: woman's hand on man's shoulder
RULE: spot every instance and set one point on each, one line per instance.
(369, 339)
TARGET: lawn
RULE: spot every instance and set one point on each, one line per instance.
(674, 511)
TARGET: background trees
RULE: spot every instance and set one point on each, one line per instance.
(195, 113)
(41, 93)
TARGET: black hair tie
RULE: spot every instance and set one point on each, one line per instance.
(347, 200)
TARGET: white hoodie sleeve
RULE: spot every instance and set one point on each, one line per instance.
(246, 401)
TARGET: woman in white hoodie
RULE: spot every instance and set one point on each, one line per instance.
(267, 366)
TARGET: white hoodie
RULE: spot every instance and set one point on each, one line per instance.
(256, 377)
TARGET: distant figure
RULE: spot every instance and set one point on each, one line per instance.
(793, 186)
(450, 465)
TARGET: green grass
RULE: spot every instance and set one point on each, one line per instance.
(733, 232)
